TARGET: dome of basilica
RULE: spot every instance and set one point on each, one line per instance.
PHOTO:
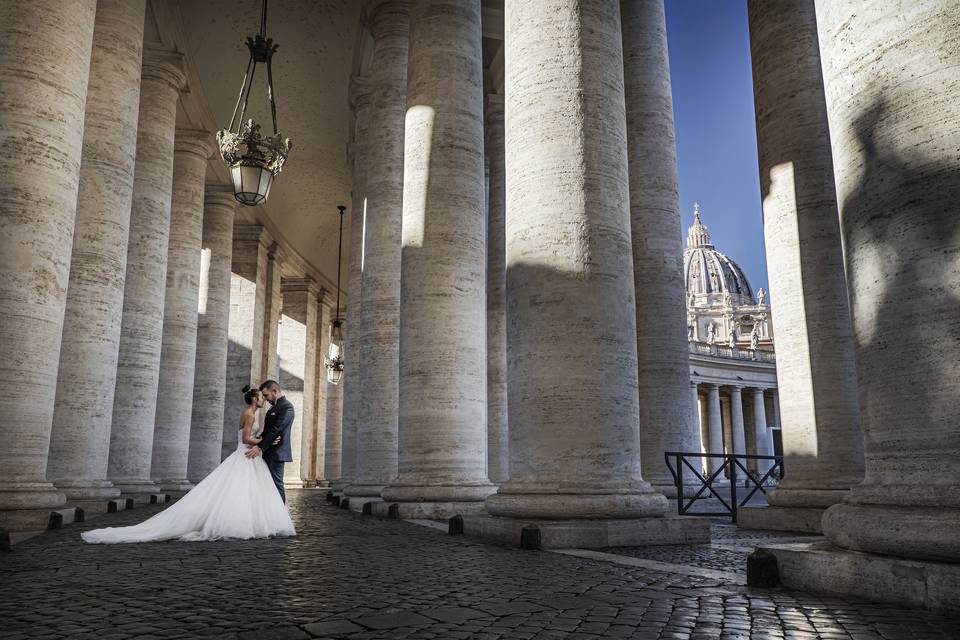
(709, 271)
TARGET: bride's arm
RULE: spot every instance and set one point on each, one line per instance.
(248, 437)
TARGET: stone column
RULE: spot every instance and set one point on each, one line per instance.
(141, 332)
(171, 433)
(248, 273)
(333, 431)
(360, 98)
(738, 435)
(760, 428)
(696, 419)
(80, 438)
(571, 313)
(273, 309)
(893, 100)
(442, 431)
(213, 326)
(322, 388)
(498, 450)
(378, 327)
(297, 349)
(663, 356)
(44, 64)
(816, 369)
(715, 426)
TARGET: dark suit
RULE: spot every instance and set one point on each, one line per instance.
(278, 421)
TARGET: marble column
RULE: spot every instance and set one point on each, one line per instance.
(45, 49)
(760, 429)
(248, 273)
(333, 431)
(171, 432)
(442, 431)
(737, 433)
(893, 101)
(663, 356)
(297, 349)
(378, 329)
(213, 327)
(272, 312)
(80, 438)
(571, 313)
(816, 367)
(360, 99)
(715, 427)
(141, 332)
(498, 450)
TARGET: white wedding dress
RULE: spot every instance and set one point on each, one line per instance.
(238, 500)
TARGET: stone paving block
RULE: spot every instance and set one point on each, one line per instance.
(453, 614)
(332, 628)
(393, 620)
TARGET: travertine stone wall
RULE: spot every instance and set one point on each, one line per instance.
(297, 349)
(80, 439)
(248, 275)
(443, 380)
(378, 327)
(498, 446)
(571, 313)
(816, 369)
(213, 320)
(893, 101)
(662, 354)
(44, 64)
(171, 434)
(141, 332)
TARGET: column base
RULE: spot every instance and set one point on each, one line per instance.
(20, 520)
(98, 507)
(425, 510)
(134, 487)
(364, 490)
(177, 488)
(780, 519)
(923, 533)
(578, 506)
(415, 492)
(30, 495)
(358, 503)
(824, 568)
(588, 533)
(93, 490)
(806, 498)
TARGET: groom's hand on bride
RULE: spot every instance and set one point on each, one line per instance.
(253, 452)
(276, 442)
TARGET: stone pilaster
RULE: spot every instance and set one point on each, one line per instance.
(816, 369)
(663, 357)
(442, 431)
(141, 332)
(360, 101)
(248, 274)
(297, 349)
(273, 308)
(80, 438)
(213, 328)
(498, 445)
(171, 433)
(44, 64)
(738, 435)
(714, 427)
(893, 100)
(378, 325)
(572, 341)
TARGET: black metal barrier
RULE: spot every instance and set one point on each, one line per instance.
(677, 461)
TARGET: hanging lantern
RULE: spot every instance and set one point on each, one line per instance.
(334, 358)
(254, 159)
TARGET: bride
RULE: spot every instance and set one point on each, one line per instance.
(238, 500)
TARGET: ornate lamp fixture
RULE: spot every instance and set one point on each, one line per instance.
(334, 358)
(254, 159)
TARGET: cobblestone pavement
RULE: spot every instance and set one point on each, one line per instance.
(353, 576)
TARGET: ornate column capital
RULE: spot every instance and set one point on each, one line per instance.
(219, 195)
(276, 253)
(195, 141)
(165, 65)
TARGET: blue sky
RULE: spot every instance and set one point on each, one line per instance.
(716, 135)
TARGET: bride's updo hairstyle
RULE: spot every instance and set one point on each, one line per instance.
(249, 395)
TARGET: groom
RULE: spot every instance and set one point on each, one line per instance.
(275, 439)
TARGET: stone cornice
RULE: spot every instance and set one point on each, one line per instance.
(305, 284)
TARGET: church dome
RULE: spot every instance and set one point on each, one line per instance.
(708, 271)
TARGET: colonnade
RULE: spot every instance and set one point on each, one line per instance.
(135, 311)
(736, 419)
